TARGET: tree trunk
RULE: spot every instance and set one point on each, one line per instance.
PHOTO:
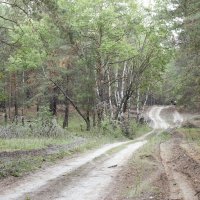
(10, 97)
(138, 105)
(129, 108)
(110, 95)
(15, 95)
(38, 106)
(146, 99)
(66, 117)
(94, 118)
(72, 103)
(5, 118)
(53, 103)
(5, 112)
(16, 106)
(23, 96)
(88, 120)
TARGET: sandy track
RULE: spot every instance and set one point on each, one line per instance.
(173, 171)
(180, 186)
(66, 181)
(93, 185)
(157, 121)
(38, 184)
(37, 180)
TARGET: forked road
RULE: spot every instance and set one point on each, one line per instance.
(84, 178)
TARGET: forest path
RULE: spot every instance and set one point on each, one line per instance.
(171, 152)
(179, 183)
(164, 169)
(85, 177)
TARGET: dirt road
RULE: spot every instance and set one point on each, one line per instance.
(88, 177)
(179, 183)
(163, 169)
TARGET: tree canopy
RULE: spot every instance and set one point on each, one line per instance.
(102, 57)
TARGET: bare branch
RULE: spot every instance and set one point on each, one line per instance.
(14, 5)
(10, 20)
(121, 61)
(8, 28)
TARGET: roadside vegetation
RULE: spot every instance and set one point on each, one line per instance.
(22, 138)
(102, 62)
(31, 143)
(140, 178)
(78, 74)
(191, 134)
(21, 164)
(26, 152)
(145, 161)
(191, 131)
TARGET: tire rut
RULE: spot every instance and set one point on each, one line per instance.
(88, 183)
(43, 177)
(181, 187)
(34, 183)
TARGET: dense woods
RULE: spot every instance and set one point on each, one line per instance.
(99, 57)
(183, 72)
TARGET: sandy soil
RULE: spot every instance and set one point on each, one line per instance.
(182, 171)
(171, 172)
(143, 181)
(49, 183)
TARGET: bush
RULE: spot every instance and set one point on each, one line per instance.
(45, 125)
(109, 127)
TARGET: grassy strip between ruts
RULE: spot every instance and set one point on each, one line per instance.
(144, 162)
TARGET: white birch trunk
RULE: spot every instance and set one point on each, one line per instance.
(117, 98)
(123, 80)
(110, 95)
(145, 102)
(138, 104)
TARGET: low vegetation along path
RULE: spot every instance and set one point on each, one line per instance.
(85, 177)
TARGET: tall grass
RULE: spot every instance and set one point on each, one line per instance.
(30, 143)
(191, 134)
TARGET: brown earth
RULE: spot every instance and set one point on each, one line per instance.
(51, 149)
(20, 163)
(170, 172)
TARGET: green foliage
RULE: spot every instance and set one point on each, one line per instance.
(37, 38)
(183, 73)
(20, 166)
(80, 48)
(3, 96)
(110, 128)
(138, 130)
(44, 114)
(191, 134)
(30, 142)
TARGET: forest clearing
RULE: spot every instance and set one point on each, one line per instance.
(99, 99)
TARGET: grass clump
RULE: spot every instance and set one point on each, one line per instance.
(138, 130)
(20, 166)
(31, 143)
(191, 134)
(144, 164)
